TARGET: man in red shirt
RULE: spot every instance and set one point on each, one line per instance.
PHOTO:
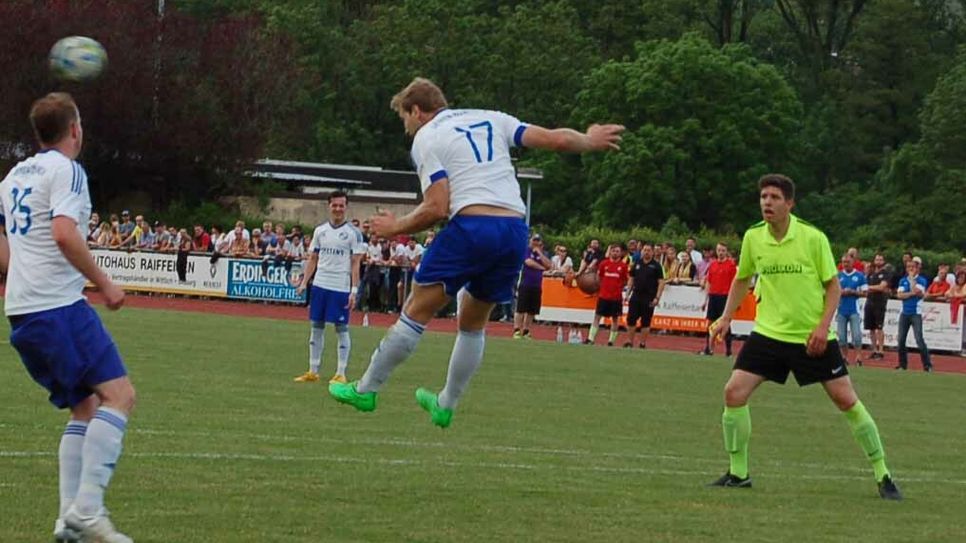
(610, 297)
(201, 242)
(717, 282)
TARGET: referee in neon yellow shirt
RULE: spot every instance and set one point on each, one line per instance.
(797, 294)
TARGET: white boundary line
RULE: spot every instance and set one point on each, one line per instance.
(445, 463)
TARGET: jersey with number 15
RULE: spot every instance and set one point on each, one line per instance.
(36, 190)
(471, 148)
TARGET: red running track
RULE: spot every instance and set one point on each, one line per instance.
(941, 363)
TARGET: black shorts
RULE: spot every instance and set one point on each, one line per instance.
(874, 315)
(528, 300)
(639, 309)
(609, 308)
(716, 306)
(773, 359)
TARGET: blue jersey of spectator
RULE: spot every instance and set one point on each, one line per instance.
(913, 305)
(852, 284)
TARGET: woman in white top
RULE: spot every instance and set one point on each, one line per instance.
(562, 264)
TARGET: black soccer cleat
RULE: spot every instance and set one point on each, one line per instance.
(733, 481)
(888, 489)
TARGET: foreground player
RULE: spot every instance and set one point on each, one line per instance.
(333, 268)
(462, 157)
(45, 206)
(798, 292)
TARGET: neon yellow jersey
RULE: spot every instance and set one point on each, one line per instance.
(791, 279)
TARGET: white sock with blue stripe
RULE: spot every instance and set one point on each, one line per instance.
(71, 459)
(345, 345)
(398, 344)
(463, 363)
(316, 346)
(102, 448)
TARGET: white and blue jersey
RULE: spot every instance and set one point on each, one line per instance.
(335, 246)
(61, 340)
(471, 148)
(36, 190)
(848, 305)
(913, 305)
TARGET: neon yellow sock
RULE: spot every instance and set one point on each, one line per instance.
(592, 335)
(867, 434)
(613, 336)
(736, 424)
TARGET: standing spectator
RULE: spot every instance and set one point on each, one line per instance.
(853, 284)
(372, 280)
(613, 276)
(877, 297)
(912, 289)
(691, 247)
(184, 249)
(591, 258)
(683, 271)
(955, 295)
(93, 227)
(218, 245)
(707, 257)
(103, 235)
(238, 231)
(940, 283)
(365, 232)
(240, 243)
(95, 235)
(161, 237)
(257, 247)
(115, 239)
(634, 250)
(140, 227)
(717, 284)
(898, 274)
(201, 242)
(646, 284)
(268, 232)
(561, 263)
(667, 258)
(922, 273)
(530, 289)
(147, 239)
(126, 229)
(856, 261)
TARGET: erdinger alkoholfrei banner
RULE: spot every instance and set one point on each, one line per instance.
(251, 280)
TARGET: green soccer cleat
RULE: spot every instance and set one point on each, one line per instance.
(346, 393)
(427, 400)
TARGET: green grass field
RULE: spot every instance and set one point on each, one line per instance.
(552, 443)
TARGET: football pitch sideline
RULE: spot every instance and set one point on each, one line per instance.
(551, 443)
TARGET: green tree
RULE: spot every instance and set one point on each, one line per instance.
(702, 125)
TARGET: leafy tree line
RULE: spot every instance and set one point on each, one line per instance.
(857, 100)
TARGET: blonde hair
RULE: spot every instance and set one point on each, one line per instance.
(420, 92)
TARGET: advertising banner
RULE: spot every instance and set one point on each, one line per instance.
(158, 272)
(248, 280)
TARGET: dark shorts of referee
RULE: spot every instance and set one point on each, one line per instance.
(875, 313)
(773, 360)
(609, 308)
(716, 306)
(528, 299)
(639, 311)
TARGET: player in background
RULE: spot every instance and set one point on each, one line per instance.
(646, 284)
(797, 292)
(613, 272)
(45, 206)
(716, 283)
(462, 157)
(333, 268)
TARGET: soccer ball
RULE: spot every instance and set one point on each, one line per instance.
(77, 58)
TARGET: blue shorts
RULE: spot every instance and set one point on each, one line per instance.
(328, 306)
(66, 350)
(482, 253)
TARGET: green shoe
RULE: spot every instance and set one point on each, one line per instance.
(346, 393)
(427, 400)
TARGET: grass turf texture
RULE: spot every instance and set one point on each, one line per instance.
(552, 443)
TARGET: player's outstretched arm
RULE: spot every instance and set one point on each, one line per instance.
(433, 208)
(598, 137)
(74, 247)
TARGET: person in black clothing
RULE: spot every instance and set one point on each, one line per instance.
(880, 286)
(647, 284)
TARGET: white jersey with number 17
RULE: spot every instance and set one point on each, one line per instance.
(471, 148)
(44, 186)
